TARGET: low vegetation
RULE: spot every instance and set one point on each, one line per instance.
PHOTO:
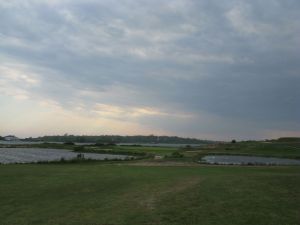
(255, 148)
(131, 150)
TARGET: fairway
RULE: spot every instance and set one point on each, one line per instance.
(117, 194)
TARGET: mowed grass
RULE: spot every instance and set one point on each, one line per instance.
(117, 194)
(136, 149)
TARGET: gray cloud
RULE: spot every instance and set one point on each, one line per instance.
(235, 63)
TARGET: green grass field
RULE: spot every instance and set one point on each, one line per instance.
(135, 149)
(271, 149)
(154, 192)
(117, 194)
(274, 149)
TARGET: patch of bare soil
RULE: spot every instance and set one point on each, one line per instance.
(153, 199)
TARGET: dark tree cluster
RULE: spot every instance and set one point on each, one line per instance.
(110, 139)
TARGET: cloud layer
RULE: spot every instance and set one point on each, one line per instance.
(206, 69)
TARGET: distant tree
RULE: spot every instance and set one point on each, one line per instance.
(81, 139)
(233, 141)
(105, 139)
(111, 143)
(99, 144)
(1, 138)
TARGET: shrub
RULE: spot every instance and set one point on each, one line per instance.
(79, 148)
(69, 143)
(99, 144)
(80, 156)
(62, 159)
(177, 155)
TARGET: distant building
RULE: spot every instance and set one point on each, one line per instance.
(11, 138)
(158, 157)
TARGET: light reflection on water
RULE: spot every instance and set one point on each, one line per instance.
(28, 155)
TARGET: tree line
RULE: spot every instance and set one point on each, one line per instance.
(119, 139)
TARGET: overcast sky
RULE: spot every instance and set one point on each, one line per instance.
(201, 68)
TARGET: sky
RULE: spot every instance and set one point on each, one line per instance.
(208, 69)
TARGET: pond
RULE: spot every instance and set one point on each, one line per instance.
(29, 155)
(247, 160)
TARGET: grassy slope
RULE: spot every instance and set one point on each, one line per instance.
(133, 149)
(101, 194)
(275, 149)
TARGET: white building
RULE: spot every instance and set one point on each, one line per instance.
(11, 138)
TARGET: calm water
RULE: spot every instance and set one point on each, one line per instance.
(20, 142)
(28, 155)
(244, 160)
(36, 142)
